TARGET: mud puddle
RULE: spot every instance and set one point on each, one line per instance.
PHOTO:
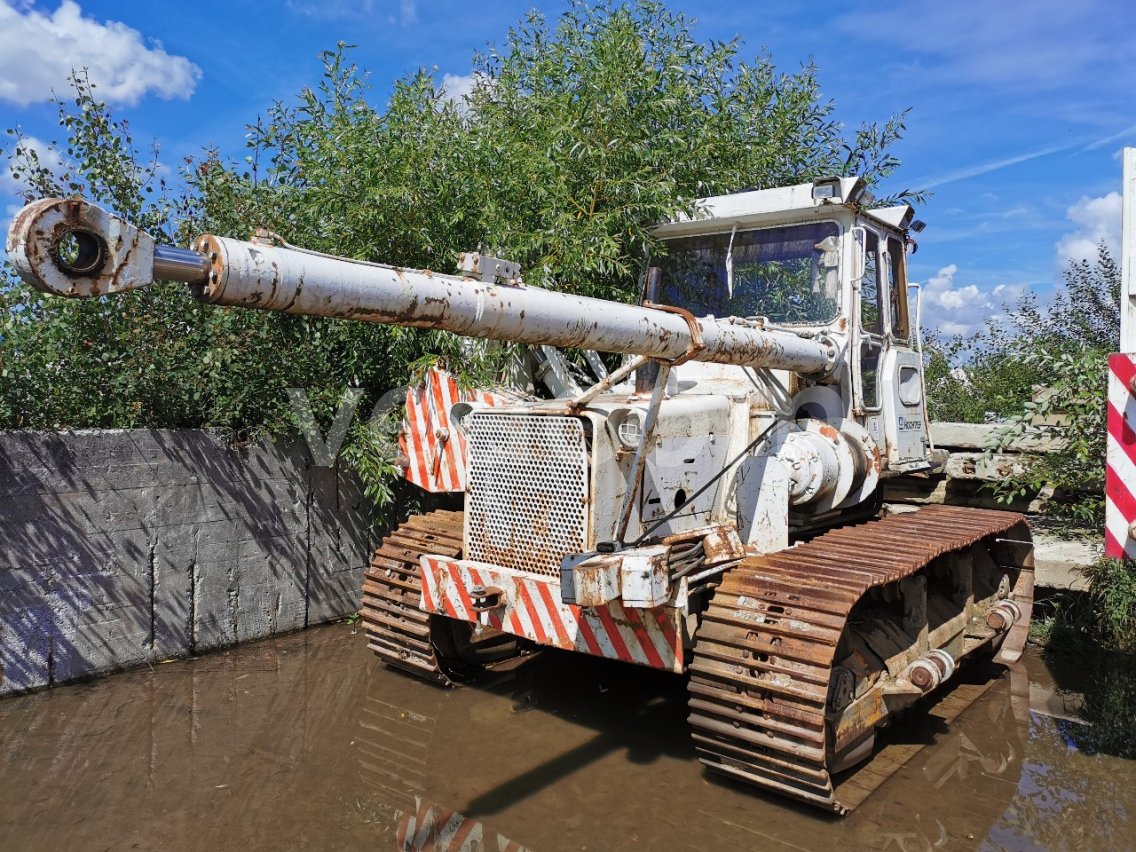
(307, 742)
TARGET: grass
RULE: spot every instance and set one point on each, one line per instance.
(1102, 618)
(1112, 596)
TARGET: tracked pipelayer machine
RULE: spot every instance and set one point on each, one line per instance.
(711, 507)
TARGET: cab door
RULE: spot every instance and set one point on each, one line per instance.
(901, 376)
(871, 339)
(887, 370)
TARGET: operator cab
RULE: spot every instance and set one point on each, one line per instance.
(810, 258)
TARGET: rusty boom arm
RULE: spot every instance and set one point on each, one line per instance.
(75, 249)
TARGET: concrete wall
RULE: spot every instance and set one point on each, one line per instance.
(119, 548)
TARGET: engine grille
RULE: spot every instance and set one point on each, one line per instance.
(528, 487)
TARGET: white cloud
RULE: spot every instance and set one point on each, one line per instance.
(953, 299)
(10, 184)
(940, 285)
(954, 308)
(458, 87)
(403, 12)
(1097, 220)
(39, 50)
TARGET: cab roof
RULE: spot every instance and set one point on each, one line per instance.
(786, 204)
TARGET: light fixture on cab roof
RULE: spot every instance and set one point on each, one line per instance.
(837, 190)
(827, 189)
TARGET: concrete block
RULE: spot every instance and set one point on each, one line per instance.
(100, 639)
(976, 436)
(997, 467)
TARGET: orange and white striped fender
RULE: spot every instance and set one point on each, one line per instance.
(437, 454)
(433, 828)
(1120, 476)
(530, 607)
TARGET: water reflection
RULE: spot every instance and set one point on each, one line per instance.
(634, 781)
(1073, 792)
(1103, 697)
(307, 742)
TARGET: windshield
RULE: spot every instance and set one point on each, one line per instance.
(788, 275)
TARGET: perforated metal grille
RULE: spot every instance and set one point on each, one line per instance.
(528, 486)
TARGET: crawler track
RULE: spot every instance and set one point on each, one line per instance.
(762, 678)
(397, 630)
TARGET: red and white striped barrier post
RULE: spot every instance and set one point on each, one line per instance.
(1120, 478)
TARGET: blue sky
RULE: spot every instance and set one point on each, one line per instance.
(1019, 110)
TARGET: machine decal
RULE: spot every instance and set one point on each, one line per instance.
(530, 607)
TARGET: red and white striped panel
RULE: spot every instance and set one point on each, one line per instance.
(437, 452)
(436, 829)
(532, 608)
(1120, 480)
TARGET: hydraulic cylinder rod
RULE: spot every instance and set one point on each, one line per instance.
(72, 248)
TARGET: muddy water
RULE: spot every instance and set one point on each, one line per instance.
(307, 742)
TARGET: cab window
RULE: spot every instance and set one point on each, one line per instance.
(871, 322)
(871, 299)
(897, 290)
(789, 275)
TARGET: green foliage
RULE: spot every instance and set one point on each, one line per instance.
(1040, 370)
(1072, 413)
(1068, 349)
(579, 136)
(978, 379)
(157, 358)
(588, 132)
(1091, 638)
(992, 374)
(68, 363)
(99, 161)
(371, 452)
(1044, 373)
(1109, 708)
(1112, 591)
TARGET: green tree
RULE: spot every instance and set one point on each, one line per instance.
(157, 357)
(1064, 350)
(981, 378)
(993, 373)
(588, 132)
